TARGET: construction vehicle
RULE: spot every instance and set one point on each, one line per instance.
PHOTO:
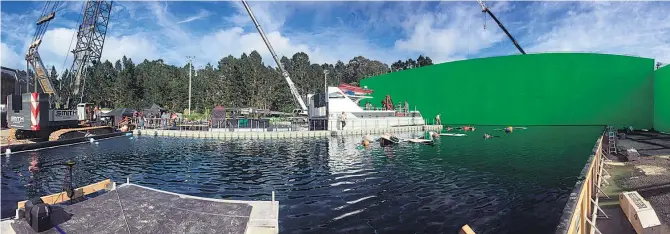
(486, 10)
(49, 113)
(294, 90)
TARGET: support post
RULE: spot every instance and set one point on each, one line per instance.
(190, 65)
(593, 226)
(325, 84)
(598, 208)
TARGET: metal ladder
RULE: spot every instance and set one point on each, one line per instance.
(611, 140)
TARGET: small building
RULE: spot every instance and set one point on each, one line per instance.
(117, 115)
(154, 110)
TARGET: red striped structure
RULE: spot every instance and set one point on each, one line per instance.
(35, 111)
(353, 90)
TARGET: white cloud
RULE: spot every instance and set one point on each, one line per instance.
(321, 48)
(56, 43)
(235, 41)
(201, 14)
(172, 43)
(448, 31)
(632, 28)
(18, 28)
(270, 15)
(326, 46)
(9, 58)
(137, 47)
(56, 46)
(452, 31)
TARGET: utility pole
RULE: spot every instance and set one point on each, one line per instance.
(190, 65)
(325, 85)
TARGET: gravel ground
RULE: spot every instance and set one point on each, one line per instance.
(651, 174)
(4, 136)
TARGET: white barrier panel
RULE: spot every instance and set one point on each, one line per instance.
(639, 213)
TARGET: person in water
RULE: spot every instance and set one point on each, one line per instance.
(509, 129)
(33, 164)
(365, 143)
(430, 135)
(487, 136)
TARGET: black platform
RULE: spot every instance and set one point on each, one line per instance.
(146, 211)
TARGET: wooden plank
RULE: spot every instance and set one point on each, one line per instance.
(466, 230)
(79, 192)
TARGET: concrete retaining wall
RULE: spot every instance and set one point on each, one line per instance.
(281, 135)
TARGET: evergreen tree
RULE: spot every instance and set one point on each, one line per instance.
(243, 81)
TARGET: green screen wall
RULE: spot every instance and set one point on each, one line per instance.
(662, 99)
(534, 89)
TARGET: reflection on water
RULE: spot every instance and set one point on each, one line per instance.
(517, 183)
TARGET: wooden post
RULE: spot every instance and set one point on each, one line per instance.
(466, 230)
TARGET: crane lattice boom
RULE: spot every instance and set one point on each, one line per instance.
(90, 41)
(33, 58)
(486, 9)
(291, 85)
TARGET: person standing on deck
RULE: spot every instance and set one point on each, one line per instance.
(343, 120)
(406, 107)
(437, 120)
(164, 120)
(95, 113)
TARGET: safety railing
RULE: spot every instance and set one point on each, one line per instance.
(581, 210)
(274, 125)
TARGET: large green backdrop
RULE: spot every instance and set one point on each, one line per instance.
(662, 99)
(534, 89)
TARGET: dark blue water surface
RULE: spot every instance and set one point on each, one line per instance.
(517, 183)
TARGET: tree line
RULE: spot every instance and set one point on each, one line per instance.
(243, 81)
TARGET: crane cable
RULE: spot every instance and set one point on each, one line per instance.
(484, 20)
(67, 55)
(41, 28)
(469, 35)
(499, 44)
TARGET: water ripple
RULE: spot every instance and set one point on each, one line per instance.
(514, 184)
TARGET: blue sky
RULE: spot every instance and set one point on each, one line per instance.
(331, 31)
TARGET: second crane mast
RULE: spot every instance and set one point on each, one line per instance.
(486, 9)
(90, 41)
(291, 85)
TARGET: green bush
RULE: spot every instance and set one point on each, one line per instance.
(197, 116)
